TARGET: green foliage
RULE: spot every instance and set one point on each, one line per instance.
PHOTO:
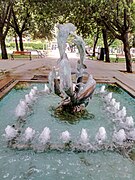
(37, 18)
(21, 86)
(113, 88)
(116, 43)
(115, 16)
(132, 155)
(44, 18)
(21, 16)
(32, 45)
(89, 41)
(71, 118)
(11, 45)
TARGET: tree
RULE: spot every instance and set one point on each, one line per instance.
(105, 38)
(113, 16)
(116, 17)
(43, 20)
(5, 16)
(133, 25)
(96, 37)
(21, 19)
(34, 18)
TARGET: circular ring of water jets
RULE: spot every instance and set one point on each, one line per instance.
(122, 140)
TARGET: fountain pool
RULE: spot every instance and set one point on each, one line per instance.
(64, 163)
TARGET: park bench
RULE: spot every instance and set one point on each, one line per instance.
(118, 56)
(38, 53)
(21, 53)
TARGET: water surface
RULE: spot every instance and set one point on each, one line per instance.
(66, 165)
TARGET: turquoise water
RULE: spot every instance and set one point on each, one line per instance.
(27, 164)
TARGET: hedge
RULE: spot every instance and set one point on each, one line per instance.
(28, 45)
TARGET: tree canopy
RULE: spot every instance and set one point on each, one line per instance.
(115, 19)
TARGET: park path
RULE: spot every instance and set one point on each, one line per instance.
(26, 69)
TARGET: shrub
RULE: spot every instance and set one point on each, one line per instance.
(31, 45)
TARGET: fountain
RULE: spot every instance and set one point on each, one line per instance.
(45, 136)
(10, 132)
(65, 136)
(57, 141)
(75, 95)
(102, 90)
(28, 99)
(129, 122)
(119, 136)
(29, 134)
(121, 113)
(51, 146)
(46, 89)
(84, 136)
(21, 109)
(101, 135)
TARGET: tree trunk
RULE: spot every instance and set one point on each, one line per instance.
(3, 48)
(134, 41)
(21, 42)
(127, 53)
(95, 43)
(102, 52)
(107, 59)
(16, 43)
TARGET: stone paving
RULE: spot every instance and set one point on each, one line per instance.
(101, 71)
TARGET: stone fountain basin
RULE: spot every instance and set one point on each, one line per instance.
(62, 164)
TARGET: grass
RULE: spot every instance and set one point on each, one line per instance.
(112, 59)
(119, 60)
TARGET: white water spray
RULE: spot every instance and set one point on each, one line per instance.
(45, 136)
(65, 136)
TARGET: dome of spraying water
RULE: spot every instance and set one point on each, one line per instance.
(65, 136)
(84, 136)
(101, 135)
(29, 134)
(45, 136)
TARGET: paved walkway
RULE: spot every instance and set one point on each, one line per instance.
(25, 69)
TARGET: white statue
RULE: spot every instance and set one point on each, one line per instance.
(63, 33)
